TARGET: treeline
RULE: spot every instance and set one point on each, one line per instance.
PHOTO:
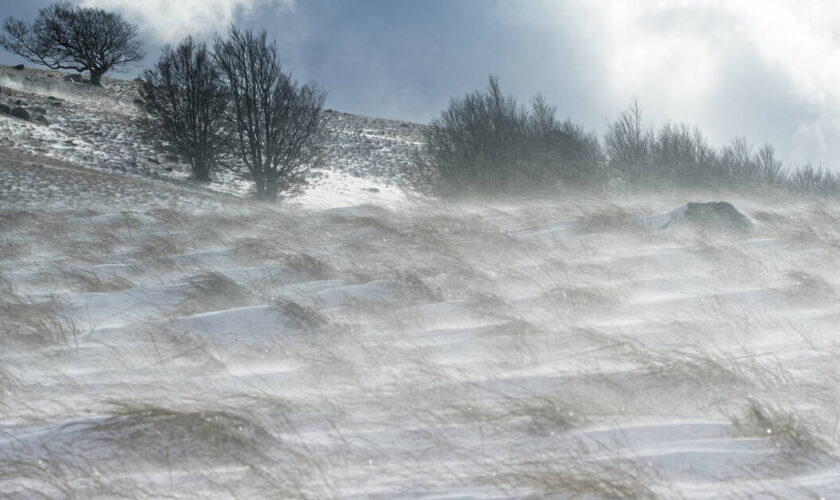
(486, 142)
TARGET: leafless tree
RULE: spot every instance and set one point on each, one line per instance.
(184, 99)
(64, 36)
(628, 144)
(277, 122)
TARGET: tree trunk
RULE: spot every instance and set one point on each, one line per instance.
(200, 170)
(258, 183)
(271, 191)
(201, 174)
(96, 78)
(267, 193)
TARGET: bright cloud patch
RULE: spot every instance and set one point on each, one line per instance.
(170, 21)
(765, 70)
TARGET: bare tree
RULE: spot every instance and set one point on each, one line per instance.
(64, 36)
(277, 122)
(628, 144)
(185, 99)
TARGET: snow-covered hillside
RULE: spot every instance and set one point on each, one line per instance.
(161, 340)
(92, 127)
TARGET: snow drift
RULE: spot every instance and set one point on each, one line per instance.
(161, 340)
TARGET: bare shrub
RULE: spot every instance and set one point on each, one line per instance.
(677, 155)
(810, 179)
(486, 142)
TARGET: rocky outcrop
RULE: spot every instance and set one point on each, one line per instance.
(20, 113)
(711, 216)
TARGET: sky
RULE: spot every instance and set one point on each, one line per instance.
(765, 70)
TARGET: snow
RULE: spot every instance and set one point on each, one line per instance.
(165, 340)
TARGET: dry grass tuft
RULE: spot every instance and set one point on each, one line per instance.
(212, 291)
(792, 429)
(156, 433)
(256, 249)
(309, 266)
(157, 250)
(545, 416)
(300, 318)
(35, 321)
(575, 476)
(85, 280)
(701, 368)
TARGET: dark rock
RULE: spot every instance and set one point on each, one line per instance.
(41, 119)
(19, 103)
(712, 216)
(372, 190)
(74, 78)
(138, 102)
(5, 109)
(18, 67)
(718, 214)
(168, 169)
(20, 113)
(171, 157)
(155, 175)
(154, 160)
(36, 109)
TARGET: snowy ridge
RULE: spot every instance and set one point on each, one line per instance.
(161, 340)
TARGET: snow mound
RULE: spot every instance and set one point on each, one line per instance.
(715, 216)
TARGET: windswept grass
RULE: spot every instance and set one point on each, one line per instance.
(88, 280)
(35, 321)
(210, 291)
(576, 476)
(801, 436)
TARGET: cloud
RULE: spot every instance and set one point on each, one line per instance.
(171, 20)
(766, 70)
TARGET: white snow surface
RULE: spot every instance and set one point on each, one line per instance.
(162, 340)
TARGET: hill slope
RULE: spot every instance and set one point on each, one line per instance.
(163, 340)
(92, 127)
